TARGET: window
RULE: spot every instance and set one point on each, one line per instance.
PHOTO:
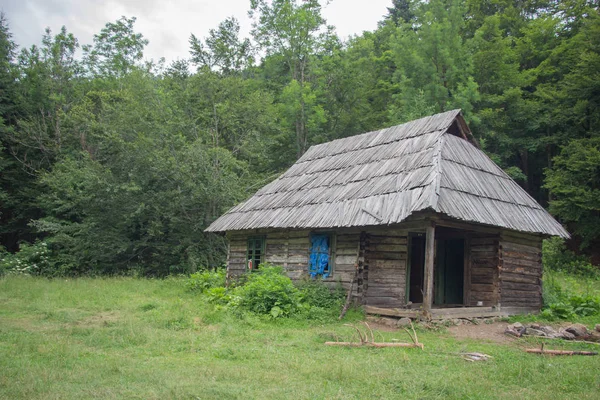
(255, 254)
(321, 258)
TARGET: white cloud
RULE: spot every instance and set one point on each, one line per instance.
(166, 24)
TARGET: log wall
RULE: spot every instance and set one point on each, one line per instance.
(520, 271)
(384, 282)
(482, 277)
(290, 249)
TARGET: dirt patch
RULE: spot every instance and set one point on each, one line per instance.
(493, 332)
(107, 318)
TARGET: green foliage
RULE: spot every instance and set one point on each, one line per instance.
(119, 164)
(557, 257)
(204, 280)
(562, 303)
(269, 291)
(315, 293)
(574, 181)
(32, 259)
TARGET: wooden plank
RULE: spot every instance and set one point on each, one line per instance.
(386, 256)
(396, 240)
(394, 248)
(392, 312)
(346, 259)
(387, 264)
(482, 287)
(507, 286)
(519, 278)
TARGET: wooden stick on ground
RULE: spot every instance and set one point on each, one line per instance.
(373, 344)
(562, 352)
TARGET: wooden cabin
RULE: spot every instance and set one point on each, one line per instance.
(415, 219)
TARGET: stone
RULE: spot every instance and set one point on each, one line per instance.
(548, 330)
(566, 335)
(391, 322)
(577, 330)
(535, 326)
(517, 326)
(512, 332)
(403, 322)
(597, 327)
(534, 332)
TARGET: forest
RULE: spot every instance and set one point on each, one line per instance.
(113, 164)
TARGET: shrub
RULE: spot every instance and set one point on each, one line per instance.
(315, 293)
(557, 258)
(559, 304)
(269, 291)
(32, 259)
(202, 281)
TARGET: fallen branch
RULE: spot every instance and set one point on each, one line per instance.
(562, 352)
(364, 339)
(373, 344)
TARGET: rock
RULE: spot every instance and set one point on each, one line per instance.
(534, 332)
(577, 330)
(548, 330)
(391, 322)
(566, 335)
(516, 326)
(512, 332)
(535, 326)
(403, 322)
(597, 327)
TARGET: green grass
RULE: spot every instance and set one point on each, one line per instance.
(150, 339)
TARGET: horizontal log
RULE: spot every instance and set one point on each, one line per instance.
(344, 267)
(522, 303)
(475, 250)
(506, 286)
(519, 278)
(520, 255)
(481, 296)
(392, 312)
(484, 241)
(521, 293)
(388, 239)
(395, 248)
(521, 248)
(386, 256)
(476, 287)
(519, 270)
(562, 352)
(522, 262)
(375, 264)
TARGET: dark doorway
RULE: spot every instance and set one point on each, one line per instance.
(416, 267)
(449, 272)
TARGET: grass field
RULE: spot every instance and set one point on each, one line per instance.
(150, 339)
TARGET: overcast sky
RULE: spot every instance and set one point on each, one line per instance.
(166, 24)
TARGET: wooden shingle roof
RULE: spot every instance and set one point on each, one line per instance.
(382, 177)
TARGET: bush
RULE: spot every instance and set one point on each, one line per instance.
(556, 257)
(269, 291)
(559, 304)
(202, 281)
(315, 293)
(32, 259)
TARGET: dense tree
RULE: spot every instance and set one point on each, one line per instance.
(119, 164)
